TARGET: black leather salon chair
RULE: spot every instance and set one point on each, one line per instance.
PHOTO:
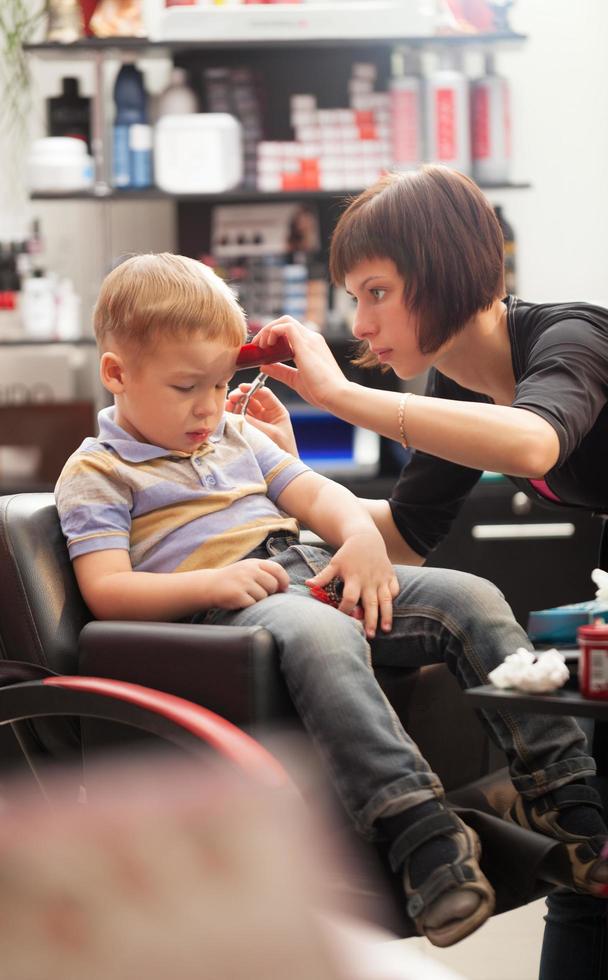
(45, 627)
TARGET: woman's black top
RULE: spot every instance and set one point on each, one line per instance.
(560, 363)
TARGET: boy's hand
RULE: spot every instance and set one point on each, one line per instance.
(369, 580)
(246, 582)
(267, 413)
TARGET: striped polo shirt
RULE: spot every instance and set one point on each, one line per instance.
(175, 511)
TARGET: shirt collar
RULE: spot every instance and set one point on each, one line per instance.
(132, 451)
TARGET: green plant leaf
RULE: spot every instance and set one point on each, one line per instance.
(18, 21)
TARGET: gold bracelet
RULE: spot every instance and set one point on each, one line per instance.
(402, 403)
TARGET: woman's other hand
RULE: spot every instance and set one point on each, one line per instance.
(316, 376)
(267, 413)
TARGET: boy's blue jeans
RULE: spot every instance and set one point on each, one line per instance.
(440, 616)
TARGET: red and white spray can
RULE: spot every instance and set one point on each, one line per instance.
(406, 111)
(447, 115)
(491, 127)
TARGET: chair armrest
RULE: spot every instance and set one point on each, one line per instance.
(231, 670)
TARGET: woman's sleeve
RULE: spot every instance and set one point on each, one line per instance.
(565, 380)
(427, 497)
(430, 491)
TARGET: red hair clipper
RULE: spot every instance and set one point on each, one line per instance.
(251, 356)
(331, 594)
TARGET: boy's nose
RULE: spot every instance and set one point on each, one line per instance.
(204, 408)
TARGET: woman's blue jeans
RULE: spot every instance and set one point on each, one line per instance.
(440, 616)
(575, 944)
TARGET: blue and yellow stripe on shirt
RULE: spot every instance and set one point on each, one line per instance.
(175, 511)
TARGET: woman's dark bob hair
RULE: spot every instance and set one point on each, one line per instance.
(441, 233)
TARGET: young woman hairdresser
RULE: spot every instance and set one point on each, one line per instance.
(513, 387)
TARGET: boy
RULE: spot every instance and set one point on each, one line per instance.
(178, 510)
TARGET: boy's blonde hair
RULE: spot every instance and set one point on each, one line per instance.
(151, 296)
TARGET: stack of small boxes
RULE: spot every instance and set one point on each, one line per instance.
(334, 149)
(235, 90)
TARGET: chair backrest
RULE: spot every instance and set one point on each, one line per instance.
(41, 609)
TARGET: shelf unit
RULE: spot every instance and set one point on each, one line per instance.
(322, 67)
(287, 57)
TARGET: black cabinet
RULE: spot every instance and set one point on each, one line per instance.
(538, 555)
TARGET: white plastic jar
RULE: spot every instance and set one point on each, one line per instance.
(59, 164)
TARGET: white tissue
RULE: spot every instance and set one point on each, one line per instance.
(600, 577)
(534, 673)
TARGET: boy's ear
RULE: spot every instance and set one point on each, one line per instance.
(112, 372)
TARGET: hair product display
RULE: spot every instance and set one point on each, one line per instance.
(406, 111)
(65, 23)
(58, 164)
(177, 98)
(447, 114)
(68, 114)
(132, 136)
(491, 126)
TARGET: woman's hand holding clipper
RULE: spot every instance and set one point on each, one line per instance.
(316, 376)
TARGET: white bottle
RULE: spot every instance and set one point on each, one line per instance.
(447, 115)
(67, 323)
(406, 111)
(491, 126)
(178, 98)
(38, 307)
